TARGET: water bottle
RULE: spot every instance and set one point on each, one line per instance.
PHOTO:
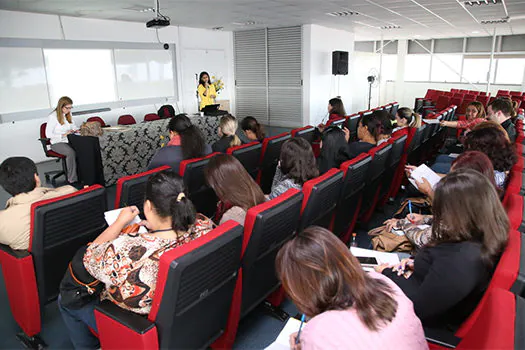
(354, 241)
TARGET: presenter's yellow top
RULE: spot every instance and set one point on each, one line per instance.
(206, 100)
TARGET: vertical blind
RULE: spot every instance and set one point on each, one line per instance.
(268, 73)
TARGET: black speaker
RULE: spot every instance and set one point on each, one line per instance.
(339, 62)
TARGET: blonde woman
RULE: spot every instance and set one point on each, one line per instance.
(59, 125)
(406, 117)
(227, 134)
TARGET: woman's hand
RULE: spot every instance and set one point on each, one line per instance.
(443, 123)
(213, 96)
(416, 219)
(405, 267)
(409, 169)
(347, 133)
(127, 214)
(380, 268)
(390, 224)
(321, 127)
(146, 224)
(425, 187)
(293, 345)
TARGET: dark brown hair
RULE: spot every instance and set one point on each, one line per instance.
(466, 207)
(337, 106)
(250, 123)
(491, 139)
(320, 274)
(298, 160)
(502, 104)
(232, 183)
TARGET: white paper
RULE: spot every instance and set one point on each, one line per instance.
(431, 121)
(424, 171)
(453, 155)
(381, 257)
(283, 339)
(112, 215)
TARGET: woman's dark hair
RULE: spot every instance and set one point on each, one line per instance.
(250, 123)
(337, 107)
(17, 175)
(232, 183)
(163, 190)
(320, 274)
(191, 138)
(333, 143)
(466, 207)
(298, 160)
(201, 82)
(373, 124)
(492, 141)
(386, 121)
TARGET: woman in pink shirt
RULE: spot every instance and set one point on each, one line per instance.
(345, 306)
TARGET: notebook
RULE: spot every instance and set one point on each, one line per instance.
(112, 215)
(421, 172)
(283, 339)
(431, 121)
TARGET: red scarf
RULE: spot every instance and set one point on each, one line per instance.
(175, 141)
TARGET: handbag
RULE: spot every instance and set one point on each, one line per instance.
(420, 205)
(385, 241)
(78, 288)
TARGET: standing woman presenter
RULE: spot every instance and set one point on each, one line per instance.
(206, 90)
(59, 125)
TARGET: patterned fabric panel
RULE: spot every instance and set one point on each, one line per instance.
(129, 152)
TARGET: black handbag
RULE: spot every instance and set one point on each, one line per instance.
(78, 288)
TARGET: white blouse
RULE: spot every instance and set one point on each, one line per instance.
(56, 131)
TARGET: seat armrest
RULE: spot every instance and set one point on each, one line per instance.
(135, 322)
(18, 254)
(441, 337)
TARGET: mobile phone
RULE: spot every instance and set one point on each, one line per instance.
(367, 260)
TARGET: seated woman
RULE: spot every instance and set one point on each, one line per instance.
(186, 142)
(491, 139)
(448, 277)
(420, 235)
(227, 134)
(252, 129)
(336, 110)
(128, 263)
(296, 166)
(346, 307)
(234, 187)
(406, 117)
(475, 114)
(368, 131)
(333, 143)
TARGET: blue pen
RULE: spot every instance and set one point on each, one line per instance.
(300, 328)
(410, 206)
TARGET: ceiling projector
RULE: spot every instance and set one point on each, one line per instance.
(158, 22)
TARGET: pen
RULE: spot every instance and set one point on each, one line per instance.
(300, 328)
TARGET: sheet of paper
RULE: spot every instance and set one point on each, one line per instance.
(431, 121)
(382, 257)
(424, 171)
(112, 215)
(283, 339)
(453, 155)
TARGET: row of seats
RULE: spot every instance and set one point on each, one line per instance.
(126, 119)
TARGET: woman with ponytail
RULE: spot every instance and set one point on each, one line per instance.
(369, 131)
(127, 263)
(186, 142)
(227, 134)
(252, 129)
(406, 117)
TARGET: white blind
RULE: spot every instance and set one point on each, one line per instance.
(284, 76)
(274, 54)
(250, 74)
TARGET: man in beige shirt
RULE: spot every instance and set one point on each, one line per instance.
(19, 177)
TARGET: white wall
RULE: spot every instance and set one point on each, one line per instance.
(20, 138)
(319, 85)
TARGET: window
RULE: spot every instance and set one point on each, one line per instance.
(417, 67)
(510, 71)
(475, 69)
(446, 68)
(68, 74)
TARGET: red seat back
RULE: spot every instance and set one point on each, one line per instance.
(126, 119)
(97, 119)
(306, 132)
(249, 155)
(131, 189)
(151, 117)
(270, 153)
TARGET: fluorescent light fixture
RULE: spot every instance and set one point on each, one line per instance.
(344, 13)
(149, 9)
(481, 2)
(247, 23)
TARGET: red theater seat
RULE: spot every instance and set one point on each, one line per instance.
(336, 122)
(151, 117)
(270, 153)
(202, 195)
(131, 189)
(97, 119)
(126, 119)
(46, 143)
(393, 166)
(306, 132)
(320, 199)
(249, 155)
(352, 123)
(193, 295)
(59, 227)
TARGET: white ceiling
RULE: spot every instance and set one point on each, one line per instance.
(417, 18)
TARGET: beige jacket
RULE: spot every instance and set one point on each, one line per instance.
(15, 220)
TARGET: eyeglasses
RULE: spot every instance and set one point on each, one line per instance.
(69, 108)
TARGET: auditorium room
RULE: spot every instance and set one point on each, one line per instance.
(278, 174)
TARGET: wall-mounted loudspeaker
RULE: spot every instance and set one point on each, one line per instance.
(339, 62)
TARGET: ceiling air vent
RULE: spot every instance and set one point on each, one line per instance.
(344, 13)
(482, 2)
(495, 21)
(390, 26)
(247, 23)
